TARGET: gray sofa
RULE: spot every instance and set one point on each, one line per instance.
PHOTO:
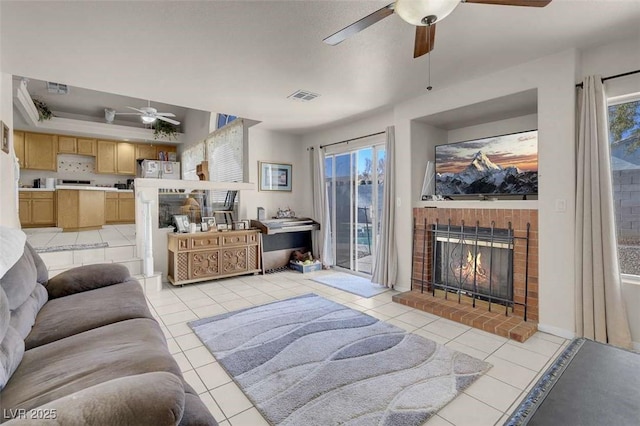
(82, 348)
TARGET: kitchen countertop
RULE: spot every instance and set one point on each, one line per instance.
(78, 187)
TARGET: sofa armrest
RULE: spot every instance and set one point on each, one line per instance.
(145, 399)
(88, 277)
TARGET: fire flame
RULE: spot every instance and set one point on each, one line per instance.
(473, 264)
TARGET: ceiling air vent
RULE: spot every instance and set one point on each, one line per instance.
(57, 88)
(303, 95)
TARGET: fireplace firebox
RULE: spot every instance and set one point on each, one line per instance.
(474, 261)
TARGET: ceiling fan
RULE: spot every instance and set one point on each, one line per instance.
(423, 14)
(147, 114)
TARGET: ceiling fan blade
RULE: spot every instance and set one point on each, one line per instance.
(128, 113)
(425, 38)
(526, 3)
(136, 109)
(360, 25)
(165, 114)
(168, 120)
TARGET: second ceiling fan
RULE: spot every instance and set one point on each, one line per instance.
(423, 14)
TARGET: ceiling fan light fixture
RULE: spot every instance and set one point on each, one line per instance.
(147, 119)
(424, 12)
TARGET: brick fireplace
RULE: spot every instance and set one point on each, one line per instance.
(478, 267)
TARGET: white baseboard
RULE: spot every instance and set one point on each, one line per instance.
(556, 331)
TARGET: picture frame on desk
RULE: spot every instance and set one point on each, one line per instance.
(222, 227)
(182, 222)
(239, 225)
(211, 222)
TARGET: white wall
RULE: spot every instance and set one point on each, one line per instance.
(9, 209)
(554, 77)
(424, 139)
(275, 147)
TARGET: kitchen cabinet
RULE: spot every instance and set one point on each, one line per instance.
(86, 146)
(40, 151)
(67, 145)
(18, 147)
(126, 160)
(116, 158)
(120, 207)
(37, 208)
(80, 210)
(146, 152)
(206, 256)
(73, 145)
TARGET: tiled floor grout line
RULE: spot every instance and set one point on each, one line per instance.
(251, 288)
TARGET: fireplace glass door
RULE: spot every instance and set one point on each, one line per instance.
(474, 266)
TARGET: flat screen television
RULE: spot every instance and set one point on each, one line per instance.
(503, 165)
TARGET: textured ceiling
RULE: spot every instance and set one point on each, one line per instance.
(246, 57)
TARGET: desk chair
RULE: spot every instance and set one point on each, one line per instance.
(227, 210)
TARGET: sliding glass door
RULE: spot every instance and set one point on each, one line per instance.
(355, 180)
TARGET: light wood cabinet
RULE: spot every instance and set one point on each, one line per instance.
(80, 210)
(126, 160)
(166, 149)
(37, 208)
(18, 147)
(67, 145)
(40, 151)
(146, 152)
(116, 158)
(73, 145)
(86, 146)
(211, 255)
(120, 207)
(106, 157)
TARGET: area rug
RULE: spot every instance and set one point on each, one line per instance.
(87, 246)
(351, 283)
(310, 361)
(590, 383)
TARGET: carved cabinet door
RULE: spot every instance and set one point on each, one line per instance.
(234, 260)
(204, 264)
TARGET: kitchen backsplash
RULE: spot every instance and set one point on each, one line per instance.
(76, 167)
(76, 164)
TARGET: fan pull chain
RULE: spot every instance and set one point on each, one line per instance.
(429, 87)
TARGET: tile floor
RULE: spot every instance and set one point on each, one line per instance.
(516, 366)
(115, 235)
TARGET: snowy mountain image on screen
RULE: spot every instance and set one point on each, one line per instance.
(482, 176)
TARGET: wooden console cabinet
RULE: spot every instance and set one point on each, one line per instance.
(210, 255)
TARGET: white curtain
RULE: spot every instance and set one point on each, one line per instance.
(600, 310)
(386, 262)
(321, 238)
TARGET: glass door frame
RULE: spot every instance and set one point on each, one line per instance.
(353, 152)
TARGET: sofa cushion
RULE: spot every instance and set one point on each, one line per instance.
(11, 352)
(148, 399)
(59, 317)
(87, 277)
(24, 316)
(23, 296)
(41, 269)
(69, 365)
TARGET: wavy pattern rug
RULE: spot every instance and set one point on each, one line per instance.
(310, 361)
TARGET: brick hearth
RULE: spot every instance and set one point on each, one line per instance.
(512, 325)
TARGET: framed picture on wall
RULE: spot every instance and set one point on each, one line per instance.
(274, 176)
(5, 137)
